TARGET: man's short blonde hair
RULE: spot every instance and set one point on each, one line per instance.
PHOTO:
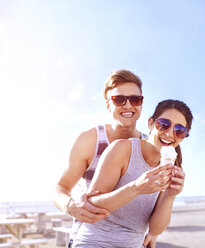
(120, 77)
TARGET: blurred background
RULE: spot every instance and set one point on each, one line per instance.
(54, 59)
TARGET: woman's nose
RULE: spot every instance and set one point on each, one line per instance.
(170, 132)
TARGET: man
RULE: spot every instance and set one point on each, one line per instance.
(123, 94)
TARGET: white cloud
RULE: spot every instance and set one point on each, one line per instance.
(76, 93)
(199, 116)
(62, 113)
(4, 46)
(97, 96)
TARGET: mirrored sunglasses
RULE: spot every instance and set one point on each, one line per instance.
(164, 124)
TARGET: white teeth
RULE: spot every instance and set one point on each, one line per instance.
(127, 114)
(165, 141)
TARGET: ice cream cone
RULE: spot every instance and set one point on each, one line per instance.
(168, 155)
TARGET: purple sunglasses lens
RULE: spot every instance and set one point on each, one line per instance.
(163, 124)
(181, 131)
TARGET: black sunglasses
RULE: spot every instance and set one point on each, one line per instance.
(164, 124)
(121, 100)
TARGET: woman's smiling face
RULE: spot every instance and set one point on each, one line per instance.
(167, 137)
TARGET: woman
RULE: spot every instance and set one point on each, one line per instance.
(138, 191)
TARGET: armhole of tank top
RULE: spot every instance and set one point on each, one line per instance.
(96, 147)
(132, 155)
(136, 150)
(133, 148)
(139, 153)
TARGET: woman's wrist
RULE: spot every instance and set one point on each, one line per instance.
(170, 197)
(152, 233)
(135, 188)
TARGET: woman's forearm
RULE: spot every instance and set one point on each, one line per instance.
(115, 199)
(161, 215)
(145, 184)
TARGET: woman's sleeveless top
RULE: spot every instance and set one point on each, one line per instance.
(125, 227)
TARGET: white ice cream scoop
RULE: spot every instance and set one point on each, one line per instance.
(168, 155)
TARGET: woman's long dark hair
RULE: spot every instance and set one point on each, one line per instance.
(182, 108)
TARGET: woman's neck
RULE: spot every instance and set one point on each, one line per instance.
(151, 153)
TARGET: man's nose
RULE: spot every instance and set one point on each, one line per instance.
(127, 104)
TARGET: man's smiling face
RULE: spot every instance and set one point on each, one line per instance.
(125, 115)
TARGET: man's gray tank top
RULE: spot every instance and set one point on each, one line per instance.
(125, 227)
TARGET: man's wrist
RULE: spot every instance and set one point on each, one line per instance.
(67, 205)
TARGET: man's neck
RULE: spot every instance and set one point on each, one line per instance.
(119, 132)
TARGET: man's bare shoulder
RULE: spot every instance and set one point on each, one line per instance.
(88, 135)
(84, 146)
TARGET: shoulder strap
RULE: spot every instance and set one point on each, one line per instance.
(102, 140)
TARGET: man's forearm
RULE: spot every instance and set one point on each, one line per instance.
(62, 198)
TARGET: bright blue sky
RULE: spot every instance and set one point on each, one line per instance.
(54, 58)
